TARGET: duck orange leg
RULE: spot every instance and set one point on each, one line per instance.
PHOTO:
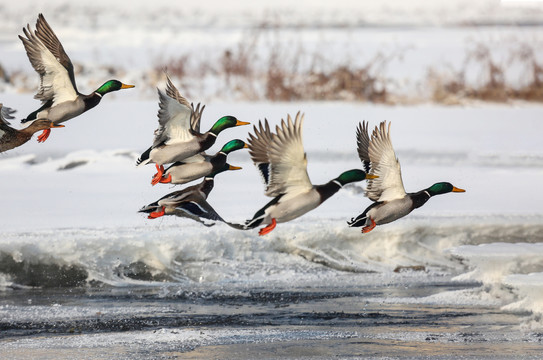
(44, 135)
(158, 175)
(156, 214)
(167, 179)
(268, 229)
(367, 229)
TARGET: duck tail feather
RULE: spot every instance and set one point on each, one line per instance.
(144, 158)
(360, 220)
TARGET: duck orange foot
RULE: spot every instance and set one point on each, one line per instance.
(156, 214)
(158, 175)
(44, 135)
(367, 229)
(268, 229)
(166, 180)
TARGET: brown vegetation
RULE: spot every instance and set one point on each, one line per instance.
(262, 67)
(453, 86)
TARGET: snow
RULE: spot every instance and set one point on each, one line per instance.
(74, 200)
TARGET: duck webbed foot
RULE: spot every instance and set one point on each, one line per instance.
(367, 229)
(268, 229)
(44, 135)
(158, 176)
(166, 180)
(156, 214)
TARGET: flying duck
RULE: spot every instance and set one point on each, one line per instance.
(58, 92)
(11, 138)
(178, 135)
(190, 202)
(390, 199)
(281, 159)
(199, 165)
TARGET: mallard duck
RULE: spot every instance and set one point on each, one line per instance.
(11, 138)
(190, 202)
(58, 92)
(387, 191)
(281, 159)
(199, 165)
(178, 135)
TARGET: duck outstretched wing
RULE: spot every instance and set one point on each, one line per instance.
(174, 117)
(379, 154)
(48, 58)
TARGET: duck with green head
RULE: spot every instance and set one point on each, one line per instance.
(391, 202)
(281, 159)
(61, 101)
(199, 165)
(178, 136)
(190, 202)
(11, 138)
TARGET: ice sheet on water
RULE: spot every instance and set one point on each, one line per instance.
(511, 272)
(178, 340)
(528, 289)
(188, 252)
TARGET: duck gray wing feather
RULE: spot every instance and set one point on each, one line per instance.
(363, 144)
(259, 144)
(174, 115)
(288, 161)
(5, 114)
(384, 163)
(45, 33)
(201, 209)
(196, 116)
(56, 84)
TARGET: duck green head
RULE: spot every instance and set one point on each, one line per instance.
(112, 85)
(225, 167)
(226, 122)
(442, 188)
(353, 176)
(233, 145)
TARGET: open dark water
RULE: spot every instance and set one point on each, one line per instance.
(165, 322)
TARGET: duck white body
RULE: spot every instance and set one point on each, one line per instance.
(200, 165)
(62, 112)
(291, 207)
(184, 173)
(174, 151)
(384, 213)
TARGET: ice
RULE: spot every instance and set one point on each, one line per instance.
(529, 288)
(494, 261)
(502, 266)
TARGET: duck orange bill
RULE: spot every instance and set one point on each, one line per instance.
(238, 123)
(455, 189)
(124, 86)
(371, 176)
(53, 125)
(231, 167)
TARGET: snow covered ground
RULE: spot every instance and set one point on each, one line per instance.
(69, 214)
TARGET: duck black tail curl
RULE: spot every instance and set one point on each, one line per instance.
(144, 158)
(360, 220)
